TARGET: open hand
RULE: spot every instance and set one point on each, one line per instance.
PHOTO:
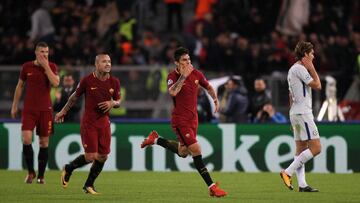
(105, 106)
(307, 61)
(43, 61)
(186, 69)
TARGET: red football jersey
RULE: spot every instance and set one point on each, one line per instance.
(37, 95)
(185, 102)
(97, 91)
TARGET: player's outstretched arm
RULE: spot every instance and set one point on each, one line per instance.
(59, 117)
(17, 95)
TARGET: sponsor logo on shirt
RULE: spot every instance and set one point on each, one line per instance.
(170, 81)
(93, 88)
(28, 74)
(111, 90)
(196, 82)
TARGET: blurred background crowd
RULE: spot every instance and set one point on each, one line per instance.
(250, 43)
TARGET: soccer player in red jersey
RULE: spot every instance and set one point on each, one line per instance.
(37, 76)
(183, 84)
(102, 94)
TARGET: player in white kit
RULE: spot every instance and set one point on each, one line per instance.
(302, 77)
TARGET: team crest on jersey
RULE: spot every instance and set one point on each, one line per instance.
(196, 82)
(170, 81)
(111, 90)
(315, 133)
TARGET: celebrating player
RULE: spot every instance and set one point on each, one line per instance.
(301, 78)
(37, 76)
(183, 85)
(102, 94)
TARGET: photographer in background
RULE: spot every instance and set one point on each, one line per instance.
(268, 114)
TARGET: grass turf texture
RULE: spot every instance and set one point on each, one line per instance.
(177, 187)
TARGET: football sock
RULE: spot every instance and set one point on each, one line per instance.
(168, 144)
(300, 160)
(95, 170)
(200, 166)
(76, 163)
(42, 161)
(300, 174)
(29, 157)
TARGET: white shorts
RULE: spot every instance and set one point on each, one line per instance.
(304, 127)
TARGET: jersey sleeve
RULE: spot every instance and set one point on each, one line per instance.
(202, 80)
(23, 73)
(117, 94)
(304, 75)
(54, 68)
(81, 88)
(171, 79)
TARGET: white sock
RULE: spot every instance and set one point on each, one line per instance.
(300, 174)
(211, 185)
(300, 160)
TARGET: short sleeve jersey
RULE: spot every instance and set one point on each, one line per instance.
(298, 79)
(37, 84)
(185, 102)
(97, 91)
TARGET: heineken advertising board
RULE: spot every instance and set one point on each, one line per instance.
(225, 147)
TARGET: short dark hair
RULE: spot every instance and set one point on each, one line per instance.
(235, 81)
(41, 44)
(302, 48)
(179, 52)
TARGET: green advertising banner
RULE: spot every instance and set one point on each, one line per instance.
(225, 147)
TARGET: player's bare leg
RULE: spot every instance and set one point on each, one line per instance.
(28, 153)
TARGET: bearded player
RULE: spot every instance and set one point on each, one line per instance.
(101, 95)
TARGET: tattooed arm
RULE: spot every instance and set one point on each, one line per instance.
(176, 87)
(59, 117)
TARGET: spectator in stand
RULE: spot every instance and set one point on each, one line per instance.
(42, 28)
(261, 97)
(234, 102)
(68, 88)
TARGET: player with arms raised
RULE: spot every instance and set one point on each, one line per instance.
(302, 77)
(101, 94)
(183, 84)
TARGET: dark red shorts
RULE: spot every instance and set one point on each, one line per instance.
(185, 134)
(42, 120)
(96, 139)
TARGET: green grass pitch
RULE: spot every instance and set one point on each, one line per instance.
(175, 187)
